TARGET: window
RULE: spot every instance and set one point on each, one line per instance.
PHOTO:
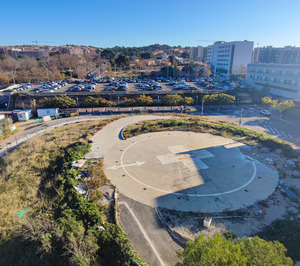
(287, 81)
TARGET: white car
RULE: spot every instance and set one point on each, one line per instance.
(265, 112)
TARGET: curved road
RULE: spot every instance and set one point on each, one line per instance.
(41, 128)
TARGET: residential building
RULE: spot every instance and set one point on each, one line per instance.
(196, 53)
(230, 58)
(282, 80)
(30, 53)
(270, 54)
(207, 54)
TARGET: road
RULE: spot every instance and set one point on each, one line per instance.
(39, 129)
(251, 118)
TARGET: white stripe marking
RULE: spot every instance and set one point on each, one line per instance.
(284, 134)
(270, 129)
(144, 233)
(184, 194)
(277, 132)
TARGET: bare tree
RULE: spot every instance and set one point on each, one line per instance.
(10, 64)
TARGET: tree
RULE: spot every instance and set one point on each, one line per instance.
(144, 100)
(269, 102)
(185, 54)
(33, 107)
(173, 60)
(218, 250)
(122, 61)
(172, 100)
(5, 126)
(108, 54)
(207, 73)
(284, 106)
(4, 79)
(10, 64)
(219, 99)
(62, 102)
(128, 102)
(188, 101)
(146, 55)
(98, 102)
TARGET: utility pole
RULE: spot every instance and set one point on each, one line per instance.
(13, 76)
(241, 117)
(77, 105)
(202, 108)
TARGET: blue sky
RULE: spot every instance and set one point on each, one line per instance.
(143, 22)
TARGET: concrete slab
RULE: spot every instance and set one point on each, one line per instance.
(188, 171)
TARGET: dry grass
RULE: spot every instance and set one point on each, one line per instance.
(31, 169)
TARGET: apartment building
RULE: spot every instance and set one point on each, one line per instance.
(207, 54)
(270, 54)
(281, 80)
(230, 58)
(196, 53)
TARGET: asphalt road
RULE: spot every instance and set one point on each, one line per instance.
(251, 118)
(153, 243)
(41, 128)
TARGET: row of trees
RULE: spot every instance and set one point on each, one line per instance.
(219, 99)
(219, 250)
(64, 101)
(56, 67)
(282, 107)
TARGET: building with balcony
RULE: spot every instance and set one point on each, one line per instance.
(270, 54)
(281, 80)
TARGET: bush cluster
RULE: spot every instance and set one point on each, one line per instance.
(219, 99)
(61, 102)
(75, 230)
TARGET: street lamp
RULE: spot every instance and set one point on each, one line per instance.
(118, 103)
(241, 116)
(158, 102)
(202, 108)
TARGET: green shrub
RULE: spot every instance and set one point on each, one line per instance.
(219, 99)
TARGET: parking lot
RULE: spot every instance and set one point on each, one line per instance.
(120, 86)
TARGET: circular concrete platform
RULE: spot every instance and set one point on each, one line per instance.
(188, 171)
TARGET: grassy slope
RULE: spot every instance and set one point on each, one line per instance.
(30, 170)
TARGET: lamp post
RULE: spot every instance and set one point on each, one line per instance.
(158, 102)
(240, 122)
(202, 108)
(118, 103)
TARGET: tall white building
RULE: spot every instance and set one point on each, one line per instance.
(280, 79)
(230, 58)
